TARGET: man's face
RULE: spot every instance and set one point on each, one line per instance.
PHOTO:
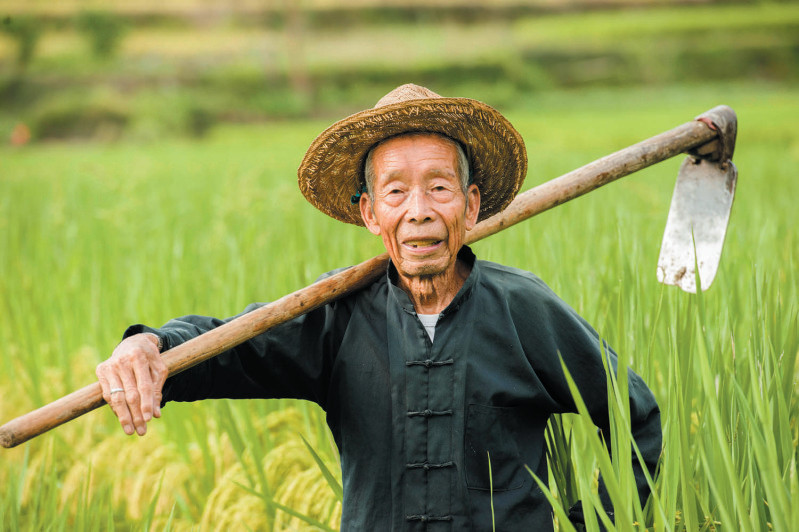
(418, 206)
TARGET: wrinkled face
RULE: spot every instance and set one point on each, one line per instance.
(418, 206)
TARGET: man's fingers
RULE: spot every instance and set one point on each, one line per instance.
(158, 372)
(144, 382)
(114, 395)
(116, 400)
(132, 381)
(104, 384)
(158, 386)
(133, 399)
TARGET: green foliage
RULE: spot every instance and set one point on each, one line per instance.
(104, 31)
(491, 490)
(25, 30)
(198, 121)
(560, 441)
(729, 460)
(100, 119)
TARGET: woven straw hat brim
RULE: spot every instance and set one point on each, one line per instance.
(331, 171)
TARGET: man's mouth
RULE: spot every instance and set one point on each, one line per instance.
(422, 243)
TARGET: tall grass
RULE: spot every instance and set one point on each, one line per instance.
(95, 237)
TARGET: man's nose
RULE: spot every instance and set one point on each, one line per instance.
(419, 208)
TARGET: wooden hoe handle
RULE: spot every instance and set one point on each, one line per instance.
(539, 199)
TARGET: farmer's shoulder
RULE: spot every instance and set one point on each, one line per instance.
(374, 290)
(521, 288)
(536, 311)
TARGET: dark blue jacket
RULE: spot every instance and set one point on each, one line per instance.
(415, 420)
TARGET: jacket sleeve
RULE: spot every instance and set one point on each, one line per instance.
(292, 360)
(561, 333)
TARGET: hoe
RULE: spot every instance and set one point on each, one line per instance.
(689, 255)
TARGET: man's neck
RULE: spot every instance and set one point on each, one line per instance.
(432, 294)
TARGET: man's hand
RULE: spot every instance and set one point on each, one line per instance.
(132, 380)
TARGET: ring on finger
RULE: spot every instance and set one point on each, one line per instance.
(112, 391)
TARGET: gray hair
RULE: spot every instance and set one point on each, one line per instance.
(462, 168)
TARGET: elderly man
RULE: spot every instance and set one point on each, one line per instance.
(440, 363)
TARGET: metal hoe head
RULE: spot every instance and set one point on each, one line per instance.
(700, 208)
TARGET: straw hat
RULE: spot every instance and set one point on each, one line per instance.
(332, 170)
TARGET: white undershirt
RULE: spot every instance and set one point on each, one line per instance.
(429, 322)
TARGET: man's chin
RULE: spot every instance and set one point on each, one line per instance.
(422, 268)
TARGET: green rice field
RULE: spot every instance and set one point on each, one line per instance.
(97, 236)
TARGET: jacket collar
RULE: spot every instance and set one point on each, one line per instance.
(401, 298)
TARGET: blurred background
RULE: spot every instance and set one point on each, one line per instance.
(110, 70)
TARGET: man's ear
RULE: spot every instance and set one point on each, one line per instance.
(472, 206)
(368, 214)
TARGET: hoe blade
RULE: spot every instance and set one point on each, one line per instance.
(698, 218)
